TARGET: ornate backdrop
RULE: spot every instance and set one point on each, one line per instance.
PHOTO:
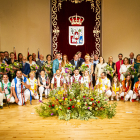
(90, 11)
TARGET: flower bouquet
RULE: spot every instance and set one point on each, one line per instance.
(77, 103)
(34, 67)
(4, 68)
(48, 67)
(17, 65)
(131, 70)
(84, 67)
(109, 69)
(69, 66)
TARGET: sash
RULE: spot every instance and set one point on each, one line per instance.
(8, 86)
(117, 89)
(124, 86)
(24, 80)
(101, 81)
(136, 87)
(46, 78)
(35, 85)
(79, 80)
(61, 81)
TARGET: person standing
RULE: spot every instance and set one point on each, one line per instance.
(26, 67)
(137, 67)
(56, 62)
(75, 62)
(113, 65)
(132, 59)
(30, 60)
(34, 57)
(118, 65)
(6, 54)
(99, 68)
(124, 68)
(95, 62)
(40, 63)
(79, 55)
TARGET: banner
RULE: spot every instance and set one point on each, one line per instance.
(76, 27)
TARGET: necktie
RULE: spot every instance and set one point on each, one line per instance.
(75, 63)
(131, 61)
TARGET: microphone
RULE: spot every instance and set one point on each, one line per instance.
(21, 80)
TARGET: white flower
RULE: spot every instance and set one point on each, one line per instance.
(90, 103)
(85, 103)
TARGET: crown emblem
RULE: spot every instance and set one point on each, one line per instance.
(76, 20)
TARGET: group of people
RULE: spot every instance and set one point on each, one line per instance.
(26, 83)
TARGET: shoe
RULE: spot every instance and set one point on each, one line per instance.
(137, 99)
(1, 107)
(117, 99)
(41, 98)
(112, 99)
(130, 100)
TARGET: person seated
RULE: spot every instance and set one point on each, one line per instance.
(86, 79)
(5, 91)
(58, 81)
(20, 88)
(33, 83)
(136, 88)
(116, 88)
(44, 84)
(76, 77)
(126, 89)
(103, 85)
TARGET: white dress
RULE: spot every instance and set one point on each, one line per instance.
(123, 69)
(99, 69)
(85, 80)
(33, 62)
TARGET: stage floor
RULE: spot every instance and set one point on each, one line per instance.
(23, 123)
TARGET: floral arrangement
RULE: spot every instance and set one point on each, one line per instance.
(69, 66)
(4, 68)
(131, 70)
(84, 67)
(17, 65)
(34, 67)
(77, 103)
(109, 69)
(48, 67)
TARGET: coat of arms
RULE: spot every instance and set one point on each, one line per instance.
(76, 31)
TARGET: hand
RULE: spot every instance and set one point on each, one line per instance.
(16, 100)
(22, 83)
(99, 83)
(93, 74)
(35, 93)
(47, 87)
(8, 99)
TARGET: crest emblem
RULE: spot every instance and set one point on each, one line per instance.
(76, 31)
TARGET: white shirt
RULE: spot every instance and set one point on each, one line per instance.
(96, 62)
(99, 69)
(58, 80)
(60, 61)
(104, 82)
(132, 61)
(18, 84)
(33, 62)
(85, 81)
(123, 69)
(32, 82)
(76, 78)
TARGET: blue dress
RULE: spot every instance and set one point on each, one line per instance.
(137, 67)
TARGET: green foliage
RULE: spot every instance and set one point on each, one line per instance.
(79, 102)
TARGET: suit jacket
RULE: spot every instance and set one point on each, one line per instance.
(40, 66)
(78, 63)
(82, 60)
(55, 65)
(130, 60)
(26, 69)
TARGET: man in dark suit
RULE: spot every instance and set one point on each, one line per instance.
(75, 62)
(6, 54)
(25, 68)
(40, 64)
(131, 61)
(80, 59)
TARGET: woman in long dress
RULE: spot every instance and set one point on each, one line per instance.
(49, 61)
(65, 72)
(89, 64)
(113, 65)
(86, 79)
(99, 68)
(124, 68)
(137, 67)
